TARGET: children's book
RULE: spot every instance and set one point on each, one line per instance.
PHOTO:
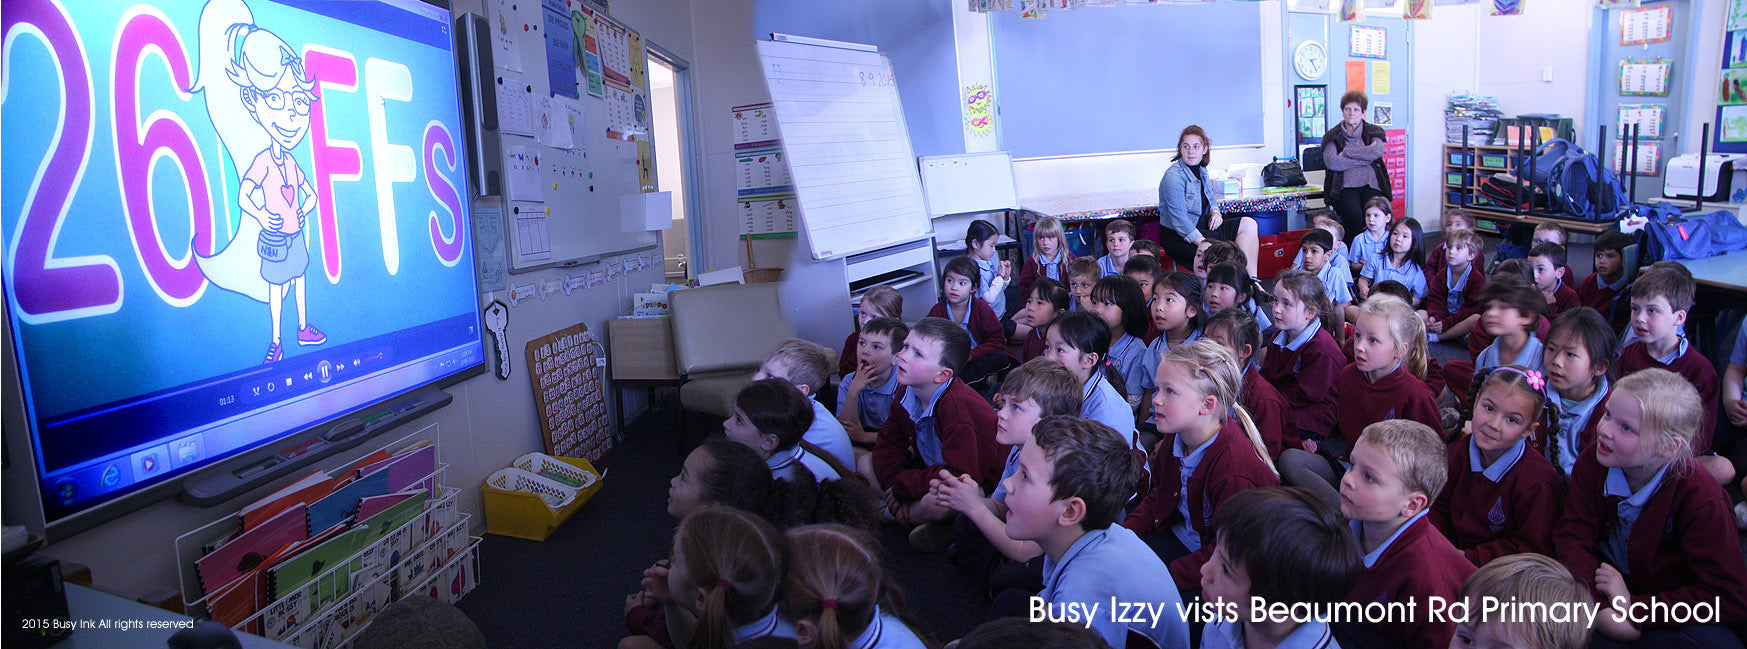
(250, 550)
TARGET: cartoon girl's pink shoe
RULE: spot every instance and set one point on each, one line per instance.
(311, 336)
(274, 353)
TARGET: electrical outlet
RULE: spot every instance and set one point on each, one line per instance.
(1547, 74)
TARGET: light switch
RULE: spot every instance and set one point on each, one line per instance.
(1547, 74)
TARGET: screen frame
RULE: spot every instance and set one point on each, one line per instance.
(20, 480)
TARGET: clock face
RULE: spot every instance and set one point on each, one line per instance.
(1310, 60)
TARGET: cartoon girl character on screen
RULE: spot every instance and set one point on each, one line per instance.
(259, 97)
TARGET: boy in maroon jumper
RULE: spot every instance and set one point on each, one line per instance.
(1452, 309)
(1236, 332)
(936, 423)
(1502, 496)
(1660, 300)
(1547, 261)
(960, 306)
(1602, 288)
(1397, 466)
(1549, 232)
(1640, 526)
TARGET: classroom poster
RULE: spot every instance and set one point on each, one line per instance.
(1418, 10)
(1733, 126)
(1507, 7)
(1312, 114)
(1352, 10)
(1737, 14)
(1382, 113)
(1380, 78)
(560, 60)
(1356, 75)
(979, 109)
(1732, 87)
(1737, 50)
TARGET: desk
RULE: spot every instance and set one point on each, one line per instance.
(1574, 225)
(85, 604)
(1722, 289)
(1145, 204)
(1726, 273)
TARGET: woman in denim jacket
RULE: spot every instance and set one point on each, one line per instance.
(1189, 208)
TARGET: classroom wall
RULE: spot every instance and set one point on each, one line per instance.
(490, 422)
(1464, 47)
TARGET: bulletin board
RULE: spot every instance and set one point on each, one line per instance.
(564, 367)
(567, 160)
(1729, 126)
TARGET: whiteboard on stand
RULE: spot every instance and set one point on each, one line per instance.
(972, 182)
(840, 121)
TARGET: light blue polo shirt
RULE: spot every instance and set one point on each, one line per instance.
(1379, 270)
(1109, 267)
(874, 402)
(886, 631)
(1102, 404)
(1679, 351)
(927, 440)
(1530, 357)
(1573, 418)
(1370, 558)
(786, 465)
(828, 434)
(987, 271)
(1051, 268)
(1128, 354)
(1366, 248)
(1337, 280)
(1738, 355)
(1314, 634)
(1113, 562)
(769, 626)
(1188, 460)
(1614, 547)
(1000, 493)
(1457, 285)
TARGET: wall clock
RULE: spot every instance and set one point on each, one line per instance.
(1310, 60)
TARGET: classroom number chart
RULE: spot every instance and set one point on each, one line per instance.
(1647, 25)
(1368, 42)
(1644, 78)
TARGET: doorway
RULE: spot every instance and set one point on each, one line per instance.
(669, 84)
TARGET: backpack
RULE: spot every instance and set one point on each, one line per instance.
(1673, 236)
(1548, 156)
(1501, 189)
(1571, 181)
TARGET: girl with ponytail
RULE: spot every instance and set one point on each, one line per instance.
(838, 598)
(1212, 452)
(727, 568)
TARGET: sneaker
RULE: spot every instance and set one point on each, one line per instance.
(274, 353)
(931, 537)
(1449, 418)
(311, 336)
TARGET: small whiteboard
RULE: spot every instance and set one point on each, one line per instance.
(842, 126)
(973, 182)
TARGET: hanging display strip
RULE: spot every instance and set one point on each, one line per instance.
(1645, 78)
(1647, 25)
(1649, 118)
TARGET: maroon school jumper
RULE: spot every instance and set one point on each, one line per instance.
(846, 358)
(1693, 367)
(1032, 270)
(1487, 519)
(1269, 410)
(1034, 344)
(1684, 547)
(1595, 296)
(1306, 378)
(1398, 395)
(1229, 466)
(965, 424)
(1438, 293)
(1420, 564)
(987, 337)
(1564, 299)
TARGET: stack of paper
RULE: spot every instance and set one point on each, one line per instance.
(1479, 113)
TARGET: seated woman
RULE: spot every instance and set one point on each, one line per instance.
(1189, 210)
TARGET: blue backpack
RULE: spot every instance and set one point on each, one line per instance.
(1671, 235)
(1567, 173)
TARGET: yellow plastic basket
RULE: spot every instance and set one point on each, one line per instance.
(526, 515)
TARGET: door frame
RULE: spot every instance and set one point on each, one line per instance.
(685, 113)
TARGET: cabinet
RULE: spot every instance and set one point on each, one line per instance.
(1465, 167)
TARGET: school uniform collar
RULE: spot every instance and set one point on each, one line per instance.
(1457, 284)
(1090, 387)
(782, 459)
(1560, 285)
(1679, 351)
(1303, 336)
(1531, 350)
(1058, 257)
(1192, 458)
(1371, 558)
(1618, 486)
(1053, 570)
(1615, 286)
(1165, 344)
(1386, 375)
(889, 387)
(969, 306)
(1312, 634)
(919, 411)
(1499, 467)
(870, 637)
(1581, 409)
(764, 626)
(1124, 343)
